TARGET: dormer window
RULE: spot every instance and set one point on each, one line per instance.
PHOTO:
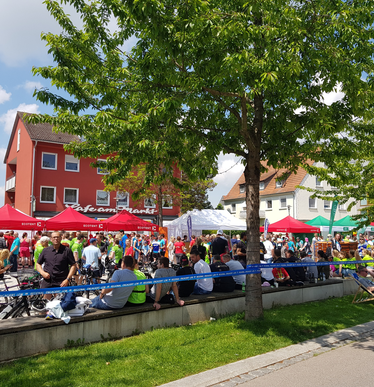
(242, 188)
(279, 183)
(262, 185)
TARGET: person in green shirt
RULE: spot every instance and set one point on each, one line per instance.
(116, 252)
(66, 241)
(77, 248)
(139, 293)
(44, 242)
(367, 257)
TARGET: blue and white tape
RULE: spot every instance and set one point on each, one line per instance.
(251, 269)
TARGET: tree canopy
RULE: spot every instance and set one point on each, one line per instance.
(205, 76)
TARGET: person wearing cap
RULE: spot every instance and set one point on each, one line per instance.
(185, 288)
(91, 254)
(219, 244)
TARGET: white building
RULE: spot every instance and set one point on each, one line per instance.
(281, 198)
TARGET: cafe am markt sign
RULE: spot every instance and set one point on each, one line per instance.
(90, 208)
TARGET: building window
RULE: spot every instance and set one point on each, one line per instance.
(343, 207)
(150, 202)
(102, 170)
(71, 195)
(364, 202)
(283, 203)
(242, 188)
(47, 194)
(167, 203)
(269, 204)
(278, 183)
(49, 160)
(122, 199)
(327, 204)
(102, 198)
(312, 203)
(318, 182)
(262, 185)
(18, 139)
(233, 208)
(71, 163)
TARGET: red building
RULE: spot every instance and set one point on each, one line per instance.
(42, 179)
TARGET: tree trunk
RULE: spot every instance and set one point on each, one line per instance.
(253, 295)
(159, 204)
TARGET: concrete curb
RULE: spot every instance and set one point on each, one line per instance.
(229, 371)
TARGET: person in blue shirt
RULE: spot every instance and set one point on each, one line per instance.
(155, 249)
(14, 251)
(122, 242)
(162, 244)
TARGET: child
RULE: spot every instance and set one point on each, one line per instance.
(4, 262)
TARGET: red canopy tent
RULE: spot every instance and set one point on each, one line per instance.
(12, 219)
(70, 219)
(290, 224)
(128, 222)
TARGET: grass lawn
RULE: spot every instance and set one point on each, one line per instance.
(163, 355)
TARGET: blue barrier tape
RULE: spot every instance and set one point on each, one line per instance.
(251, 269)
(112, 285)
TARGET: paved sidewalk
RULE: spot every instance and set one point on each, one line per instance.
(264, 368)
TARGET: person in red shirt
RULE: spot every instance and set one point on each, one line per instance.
(9, 236)
(193, 241)
(280, 274)
(179, 249)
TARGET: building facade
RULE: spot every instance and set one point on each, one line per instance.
(279, 198)
(42, 179)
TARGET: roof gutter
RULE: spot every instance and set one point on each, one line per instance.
(32, 197)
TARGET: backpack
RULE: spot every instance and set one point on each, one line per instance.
(2, 243)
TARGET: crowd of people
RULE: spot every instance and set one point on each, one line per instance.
(58, 256)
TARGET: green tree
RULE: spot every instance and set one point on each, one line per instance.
(220, 206)
(205, 76)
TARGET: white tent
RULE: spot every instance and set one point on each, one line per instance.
(205, 220)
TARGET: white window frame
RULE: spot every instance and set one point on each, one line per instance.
(98, 169)
(233, 208)
(54, 194)
(327, 205)
(100, 204)
(49, 153)
(280, 203)
(119, 193)
(315, 202)
(75, 160)
(75, 189)
(18, 139)
(170, 201)
(153, 197)
(267, 204)
(342, 207)
(262, 185)
(318, 182)
(278, 183)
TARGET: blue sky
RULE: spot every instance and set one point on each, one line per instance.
(21, 24)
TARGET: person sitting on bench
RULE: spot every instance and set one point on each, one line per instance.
(362, 273)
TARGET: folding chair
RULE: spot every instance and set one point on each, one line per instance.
(359, 296)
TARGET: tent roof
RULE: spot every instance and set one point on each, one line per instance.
(71, 219)
(345, 222)
(128, 222)
(10, 218)
(290, 224)
(206, 220)
(318, 221)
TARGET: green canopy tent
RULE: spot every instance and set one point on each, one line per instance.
(318, 221)
(345, 224)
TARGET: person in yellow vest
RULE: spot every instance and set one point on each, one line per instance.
(138, 294)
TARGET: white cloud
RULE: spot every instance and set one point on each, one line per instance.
(8, 118)
(229, 170)
(4, 96)
(21, 24)
(30, 86)
(334, 96)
